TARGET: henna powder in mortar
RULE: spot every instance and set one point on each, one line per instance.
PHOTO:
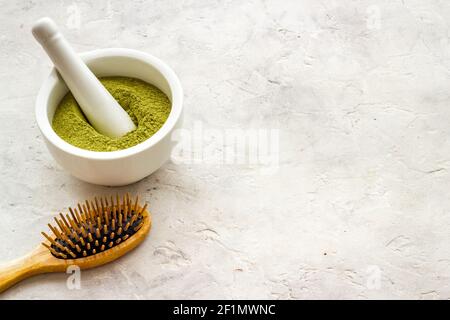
(147, 106)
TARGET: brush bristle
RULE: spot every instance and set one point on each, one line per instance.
(94, 227)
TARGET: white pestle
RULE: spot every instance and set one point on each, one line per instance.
(100, 108)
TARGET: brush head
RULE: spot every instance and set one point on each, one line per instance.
(95, 227)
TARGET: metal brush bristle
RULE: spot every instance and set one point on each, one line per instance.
(94, 226)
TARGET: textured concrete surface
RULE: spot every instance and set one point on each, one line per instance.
(358, 205)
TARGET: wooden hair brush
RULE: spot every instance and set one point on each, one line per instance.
(94, 233)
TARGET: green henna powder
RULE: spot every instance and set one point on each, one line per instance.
(147, 106)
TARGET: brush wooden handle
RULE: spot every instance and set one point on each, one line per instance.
(29, 265)
(41, 259)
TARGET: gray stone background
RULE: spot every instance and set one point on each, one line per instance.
(358, 203)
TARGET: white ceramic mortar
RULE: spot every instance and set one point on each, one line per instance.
(121, 167)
